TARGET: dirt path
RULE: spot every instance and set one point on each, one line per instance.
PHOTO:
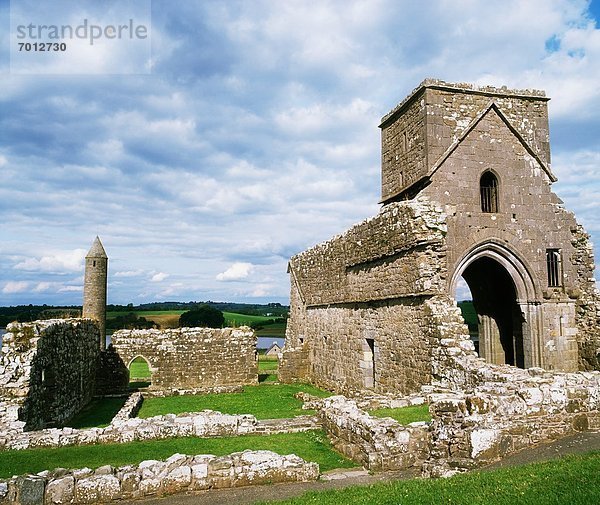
(575, 444)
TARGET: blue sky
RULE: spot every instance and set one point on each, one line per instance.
(254, 136)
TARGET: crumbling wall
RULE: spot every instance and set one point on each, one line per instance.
(188, 358)
(357, 317)
(378, 444)
(494, 410)
(588, 301)
(47, 371)
(177, 474)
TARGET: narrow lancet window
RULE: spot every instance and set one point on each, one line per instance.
(554, 268)
(488, 186)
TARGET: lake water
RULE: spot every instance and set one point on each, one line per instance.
(263, 342)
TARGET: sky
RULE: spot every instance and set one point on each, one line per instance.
(249, 132)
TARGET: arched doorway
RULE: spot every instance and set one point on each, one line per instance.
(499, 315)
(503, 296)
(140, 373)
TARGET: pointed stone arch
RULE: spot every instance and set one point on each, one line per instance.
(507, 302)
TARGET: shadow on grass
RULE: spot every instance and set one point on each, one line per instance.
(267, 377)
(98, 413)
(135, 385)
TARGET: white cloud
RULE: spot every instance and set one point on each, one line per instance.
(42, 287)
(129, 273)
(236, 272)
(159, 277)
(66, 261)
(12, 287)
(264, 142)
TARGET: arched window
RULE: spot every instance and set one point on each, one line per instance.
(488, 189)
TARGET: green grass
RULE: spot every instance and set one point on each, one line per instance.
(275, 330)
(266, 363)
(573, 480)
(139, 369)
(311, 446)
(405, 415)
(98, 413)
(265, 401)
(233, 318)
(267, 377)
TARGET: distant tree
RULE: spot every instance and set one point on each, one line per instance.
(204, 316)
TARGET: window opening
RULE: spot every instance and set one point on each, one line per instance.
(488, 186)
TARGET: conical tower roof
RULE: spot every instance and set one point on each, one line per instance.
(97, 250)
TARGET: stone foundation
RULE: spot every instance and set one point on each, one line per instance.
(377, 444)
(179, 473)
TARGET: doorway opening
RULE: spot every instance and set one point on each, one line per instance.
(500, 321)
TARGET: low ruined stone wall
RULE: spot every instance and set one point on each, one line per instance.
(179, 473)
(47, 371)
(490, 411)
(125, 427)
(188, 358)
(376, 443)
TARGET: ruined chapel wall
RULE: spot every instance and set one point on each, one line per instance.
(403, 149)
(48, 369)
(395, 254)
(357, 319)
(187, 358)
(529, 218)
(588, 301)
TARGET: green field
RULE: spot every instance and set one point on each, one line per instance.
(266, 401)
(170, 319)
(145, 313)
(310, 445)
(405, 415)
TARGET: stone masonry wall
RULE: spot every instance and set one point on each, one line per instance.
(188, 358)
(588, 301)
(493, 410)
(416, 133)
(377, 444)
(357, 317)
(177, 474)
(47, 371)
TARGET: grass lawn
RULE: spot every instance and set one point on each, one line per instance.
(311, 446)
(266, 401)
(573, 480)
(267, 363)
(98, 413)
(405, 415)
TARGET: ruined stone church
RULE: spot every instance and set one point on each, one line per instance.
(466, 193)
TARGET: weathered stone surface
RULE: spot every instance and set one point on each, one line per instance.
(189, 358)
(377, 444)
(178, 473)
(47, 372)
(60, 490)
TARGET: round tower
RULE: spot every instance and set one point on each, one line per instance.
(94, 287)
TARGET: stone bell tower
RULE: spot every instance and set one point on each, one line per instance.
(94, 287)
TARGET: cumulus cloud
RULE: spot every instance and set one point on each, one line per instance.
(159, 277)
(263, 140)
(67, 261)
(12, 287)
(236, 272)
